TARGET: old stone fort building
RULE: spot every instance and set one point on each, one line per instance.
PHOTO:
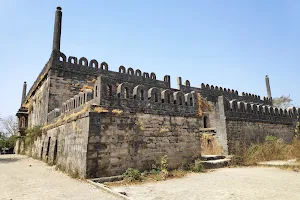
(94, 122)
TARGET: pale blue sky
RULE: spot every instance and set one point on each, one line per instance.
(231, 44)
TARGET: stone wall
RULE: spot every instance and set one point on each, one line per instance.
(64, 145)
(245, 123)
(242, 133)
(140, 141)
(38, 105)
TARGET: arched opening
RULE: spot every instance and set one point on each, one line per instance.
(180, 101)
(191, 101)
(55, 153)
(109, 90)
(205, 122)
(142, 95)
(168, 98)
(126, 93)
(155, 97)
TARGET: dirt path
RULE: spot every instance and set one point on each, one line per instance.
(20, 181)
(258, 183)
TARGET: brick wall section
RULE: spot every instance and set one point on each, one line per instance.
(139, 140)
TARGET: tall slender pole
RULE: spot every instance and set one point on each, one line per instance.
(57, 29)
(268, 87)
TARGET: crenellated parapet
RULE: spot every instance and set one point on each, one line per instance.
(77, 101)
(133, 97)
(71, 105)
(94, 68)
(52, 115)
(261, 113)
(211, 92)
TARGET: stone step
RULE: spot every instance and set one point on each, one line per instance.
(214, 164)
(211, 157)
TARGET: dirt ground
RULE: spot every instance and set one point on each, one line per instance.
(19, 180)
(257, 183)
(25, 178)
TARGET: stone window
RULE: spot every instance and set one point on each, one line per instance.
(126, 93)
(142, 95)
(155, 97)
(109, 90)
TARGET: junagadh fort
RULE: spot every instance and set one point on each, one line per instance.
(93, 122)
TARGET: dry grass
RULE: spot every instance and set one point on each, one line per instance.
(65, 118)
(86, 87)
(92, 81)
(164, 129)
(271, 150)
(210, 146)
(100, 110)
(117, 111)
(149, 178)
(203, 105)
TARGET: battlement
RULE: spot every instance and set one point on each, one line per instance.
(131, 97)
(92, 67)
(262, 113)
(211, 92)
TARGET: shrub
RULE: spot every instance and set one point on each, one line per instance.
(131, 174)
(198, 167)
(270, 138)
(164, 167)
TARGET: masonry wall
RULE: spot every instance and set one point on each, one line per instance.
(243, 133)
(38, 105)
(247, 123)
(65, 146)
(139, 141)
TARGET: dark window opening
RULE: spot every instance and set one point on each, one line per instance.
(180, 101)
(42, 151)
(155, 97)
(168, 98)
(205, 122)
(142, 95)
(55, 153)
(109, 90)
(126, 94)
(96, 91)
(48, 148)
(191, 101)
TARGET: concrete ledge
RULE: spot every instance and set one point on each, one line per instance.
(107, 189)
(107, 179)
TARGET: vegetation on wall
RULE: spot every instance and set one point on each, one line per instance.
(203, 105)
(32, 134)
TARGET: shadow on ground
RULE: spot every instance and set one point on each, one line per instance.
(4, 159)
